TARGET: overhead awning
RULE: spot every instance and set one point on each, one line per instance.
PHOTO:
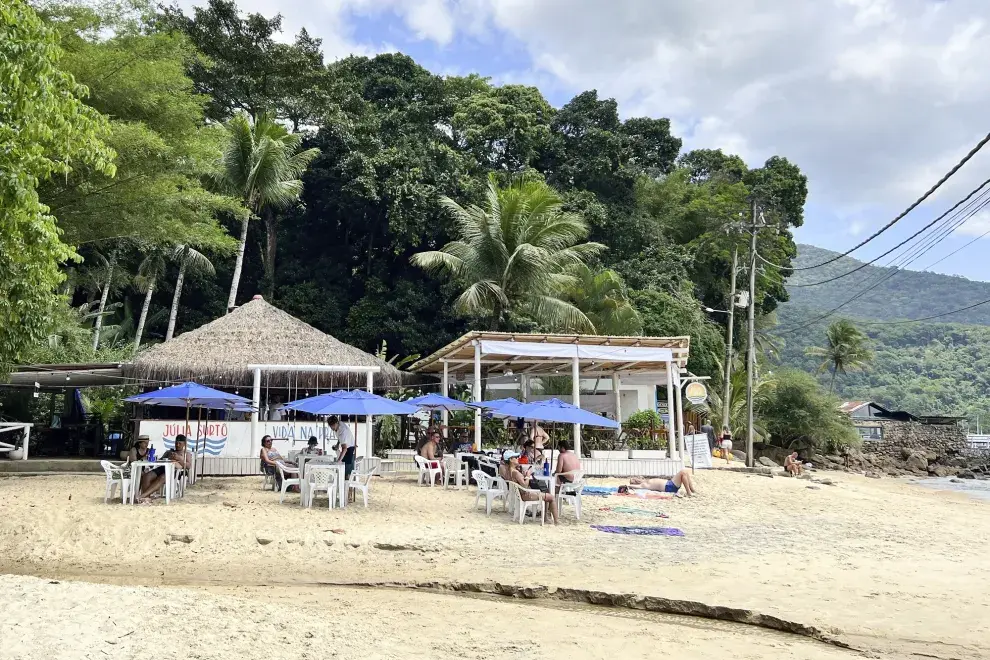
(68, 375)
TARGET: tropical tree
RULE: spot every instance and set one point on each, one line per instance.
(189, 259)
(763, 386)
(107, 266)
(514, 256)
(151, 268)
(601, 295)
(846, 349)
(45, 130)
(262, 164)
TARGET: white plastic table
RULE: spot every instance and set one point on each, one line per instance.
(305, 459)
(137, 470)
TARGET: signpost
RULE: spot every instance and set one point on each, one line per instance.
(698, 449)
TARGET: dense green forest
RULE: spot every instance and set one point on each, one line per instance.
(924, 368)
(171, 165)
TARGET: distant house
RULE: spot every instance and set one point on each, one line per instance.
(887, 431)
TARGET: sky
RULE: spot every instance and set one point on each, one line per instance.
(874, 99)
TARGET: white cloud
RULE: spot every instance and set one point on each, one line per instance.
(978, 225)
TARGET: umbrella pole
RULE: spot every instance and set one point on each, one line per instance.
(186, 429)
(199, 426)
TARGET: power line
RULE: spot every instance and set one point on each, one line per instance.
(906, 240)
(935, 263)
(926, 318)
(917, 202)
(906, 260)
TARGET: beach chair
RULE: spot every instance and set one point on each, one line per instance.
(115, 477)
(269, 477)
(492, 488)
(427, 469)
(321, 479)
(290, 477)
(571, 494)
(361, 482)
(521, 506)
(457, 471)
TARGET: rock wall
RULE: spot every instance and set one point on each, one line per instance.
(945, 441)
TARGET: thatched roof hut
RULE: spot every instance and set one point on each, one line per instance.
(219, 352)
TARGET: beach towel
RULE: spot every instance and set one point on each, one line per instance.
(600, 491)
(634, 511)
(645, 494)
(639, 531)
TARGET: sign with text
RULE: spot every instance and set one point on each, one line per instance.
(233, 439)
(696, 392)
(698, 450)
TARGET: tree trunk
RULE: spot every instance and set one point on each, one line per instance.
(103, 304)
(831, 384)
(175, 299)
(269, 255)
(144, 314)
(238, 265)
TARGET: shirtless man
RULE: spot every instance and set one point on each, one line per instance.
(673, 485)
(793, 465)
(567, 464)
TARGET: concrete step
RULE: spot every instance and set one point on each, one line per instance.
(50, 465)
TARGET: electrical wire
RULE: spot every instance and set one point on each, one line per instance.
(917, 202)
(926, 318)
(905, 260)
(905, 241)
(935, 263)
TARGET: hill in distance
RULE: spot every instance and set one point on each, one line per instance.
(896, 295)
(940, 366)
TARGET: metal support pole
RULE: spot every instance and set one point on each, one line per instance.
(255, 411)
(670, 410)
(751, 351)
(445, 415)
(576, 395)
(477, 394)
(727, 377)
(618, 401)
(369, 420)
(679, 404)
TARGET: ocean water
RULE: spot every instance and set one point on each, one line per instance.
(973, 487)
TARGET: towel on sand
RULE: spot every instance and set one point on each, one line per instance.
(601, 491)
(634, 511)
(639, 531)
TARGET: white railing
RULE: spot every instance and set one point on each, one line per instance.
(6, 447)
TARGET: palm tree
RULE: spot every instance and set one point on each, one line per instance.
(151, 268)
(514, 256)
(262, 164)
(602, 297)
(846, 349)
(188, 258)
(715, 406)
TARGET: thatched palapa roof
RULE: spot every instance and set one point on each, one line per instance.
(219, 352)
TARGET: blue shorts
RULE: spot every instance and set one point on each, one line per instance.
(670, 487)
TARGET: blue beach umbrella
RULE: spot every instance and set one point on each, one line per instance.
(555, 410)
(353, 402)
(439, 402)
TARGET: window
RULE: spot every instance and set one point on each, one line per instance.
(871, 433)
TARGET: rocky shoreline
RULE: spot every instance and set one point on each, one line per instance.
(906, 462)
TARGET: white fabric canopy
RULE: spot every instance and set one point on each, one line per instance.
(604, 353)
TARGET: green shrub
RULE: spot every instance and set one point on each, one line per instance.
(797, 414)
(643, 419)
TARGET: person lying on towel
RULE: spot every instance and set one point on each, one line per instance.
(673, 485)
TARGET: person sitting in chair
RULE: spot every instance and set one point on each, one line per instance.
(567, 463)
(312, 448)
(153, 480)
(269, 457)
(430, 450)
(514, 474)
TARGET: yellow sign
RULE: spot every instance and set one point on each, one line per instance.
(696, 392)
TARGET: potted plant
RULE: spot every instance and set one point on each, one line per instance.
(603, 445)
(647, 435)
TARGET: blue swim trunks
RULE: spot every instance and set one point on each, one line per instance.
(670, 487)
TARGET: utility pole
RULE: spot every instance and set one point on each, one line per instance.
(727, 385)
(750, 343)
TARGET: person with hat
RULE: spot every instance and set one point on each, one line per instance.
(312, 447)
(513, 474)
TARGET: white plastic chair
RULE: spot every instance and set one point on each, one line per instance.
(521, 506)
(115, 476)
(457, 471)
(361, 482)
(427, 469)
(290, 477)
(571, 494)
(321, 479)
(492, 488)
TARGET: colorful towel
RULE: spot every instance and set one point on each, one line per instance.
(600, 491)
(639, 531)
(634, 511)
(644, 494)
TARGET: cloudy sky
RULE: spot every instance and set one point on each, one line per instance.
(873, 99)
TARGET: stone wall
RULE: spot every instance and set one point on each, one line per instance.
(944, 441)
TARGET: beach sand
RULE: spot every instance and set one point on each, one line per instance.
(885, 566)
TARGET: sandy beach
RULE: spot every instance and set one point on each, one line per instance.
(887, 567)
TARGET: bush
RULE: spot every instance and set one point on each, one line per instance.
(643, 419)
(797, 414)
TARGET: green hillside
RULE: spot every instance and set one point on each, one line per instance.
(924, 368)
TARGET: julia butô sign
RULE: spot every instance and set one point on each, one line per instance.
(696, 392)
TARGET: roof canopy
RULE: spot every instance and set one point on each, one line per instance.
(544, 354)
(219, 353)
